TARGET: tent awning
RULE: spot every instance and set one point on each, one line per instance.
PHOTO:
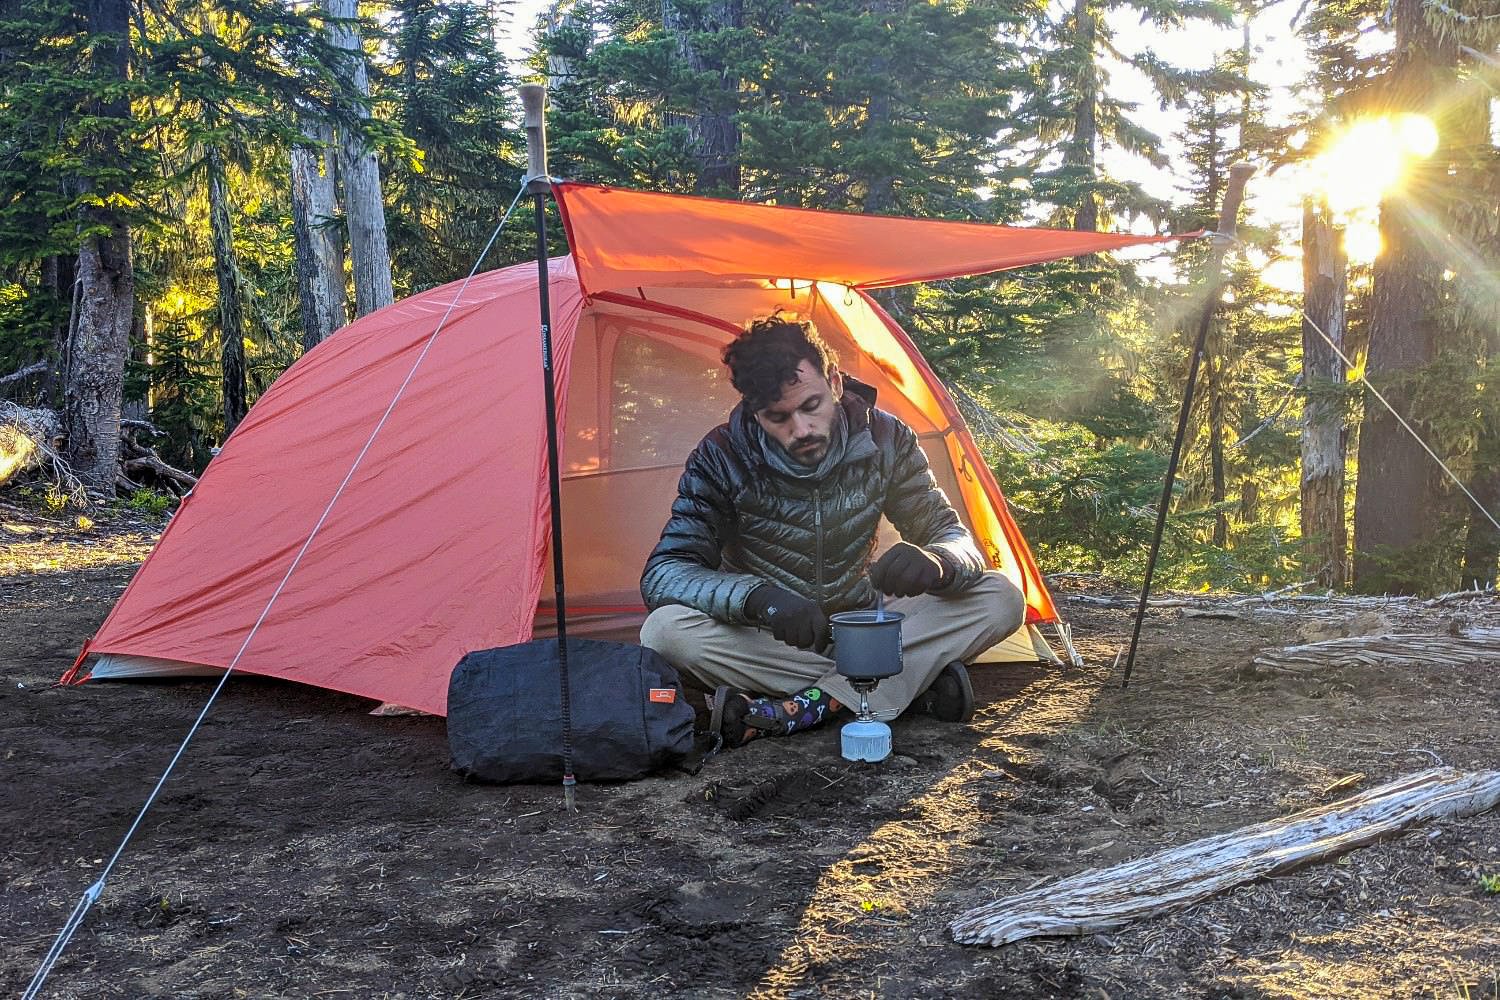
(622, 239)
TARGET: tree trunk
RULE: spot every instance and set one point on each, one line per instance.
(320, 255)
(713, 136)
(106, 281)
(1214, 367)
(880, 189)
(1083, 150)
(1397, 499)
(140, 355)
(1482, 545)
(59, 273)
(1325, 284)
(364, 208)
(231, 310)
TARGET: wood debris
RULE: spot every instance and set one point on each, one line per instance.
(1097, 901)
(1470, 646)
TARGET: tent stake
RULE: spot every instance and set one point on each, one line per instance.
(1239, 173)
(539, 185)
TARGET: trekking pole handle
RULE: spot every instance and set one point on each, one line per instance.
(533, 103)
(1229, 212)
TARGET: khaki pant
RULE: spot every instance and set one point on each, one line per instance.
(937, 631)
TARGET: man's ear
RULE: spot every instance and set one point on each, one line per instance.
(836, 383)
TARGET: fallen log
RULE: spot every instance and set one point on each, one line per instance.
(151, 462)
(1470, 646)
(1125, 602)
(1487, 593)
(36, 368)
(1098, 901)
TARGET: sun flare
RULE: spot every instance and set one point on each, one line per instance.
(1370, 158)
(1362, 242)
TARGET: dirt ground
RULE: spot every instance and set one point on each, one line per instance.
(307, 849)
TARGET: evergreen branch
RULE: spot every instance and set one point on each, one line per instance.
(1457, 15)
(1286, 400)
(1488, 60)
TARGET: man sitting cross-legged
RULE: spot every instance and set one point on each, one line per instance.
(773, 530)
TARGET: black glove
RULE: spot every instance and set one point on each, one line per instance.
(791, 618)
(906, 570)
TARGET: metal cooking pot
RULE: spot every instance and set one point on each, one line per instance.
(867, 644)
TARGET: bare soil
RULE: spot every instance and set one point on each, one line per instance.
(305, 848)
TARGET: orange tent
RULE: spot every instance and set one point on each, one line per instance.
(437, 544)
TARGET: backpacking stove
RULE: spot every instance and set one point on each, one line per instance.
(867, 648)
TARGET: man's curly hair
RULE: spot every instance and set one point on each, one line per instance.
(766, 356)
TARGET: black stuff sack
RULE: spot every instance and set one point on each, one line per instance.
(630, 714)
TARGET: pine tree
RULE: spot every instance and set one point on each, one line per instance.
(449, 94)
(73, 165)
(226, 79)
(1472, 296)
(95, 382)
(702, 31)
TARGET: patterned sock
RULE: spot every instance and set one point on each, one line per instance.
(784, 716)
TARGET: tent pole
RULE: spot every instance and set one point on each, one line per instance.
(539, 185)
(1239, 173)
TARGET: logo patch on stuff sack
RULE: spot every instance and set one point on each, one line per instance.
(664, 695)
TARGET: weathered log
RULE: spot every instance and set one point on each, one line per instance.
(1487, 593)
(142, 425)
(36, 368)
(1124, 602)
(1474, 645)
(1097, 901)
(151, 462)
(1273, 595)
(28, 439)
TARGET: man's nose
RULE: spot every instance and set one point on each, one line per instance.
(802, 426)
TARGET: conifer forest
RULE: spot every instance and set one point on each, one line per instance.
(196, 192)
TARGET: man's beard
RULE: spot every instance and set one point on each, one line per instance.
(809, 450)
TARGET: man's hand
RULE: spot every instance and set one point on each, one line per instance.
(906, 570)
(791, 618)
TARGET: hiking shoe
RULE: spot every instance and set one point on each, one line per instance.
(950, 698)
(738, 718)
(727, 711)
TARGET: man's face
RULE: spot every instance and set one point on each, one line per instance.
(802, 419)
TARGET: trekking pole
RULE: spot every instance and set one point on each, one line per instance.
(539, 185)
(1222, 238)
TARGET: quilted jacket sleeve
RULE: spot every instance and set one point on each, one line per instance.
(922, 514)
(684, 566)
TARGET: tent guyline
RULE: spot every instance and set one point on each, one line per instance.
(93, 892)
(1349, 365)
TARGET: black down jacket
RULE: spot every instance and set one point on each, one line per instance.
(746, 515)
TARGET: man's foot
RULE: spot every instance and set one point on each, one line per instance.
(739, 718)
(950, 698)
